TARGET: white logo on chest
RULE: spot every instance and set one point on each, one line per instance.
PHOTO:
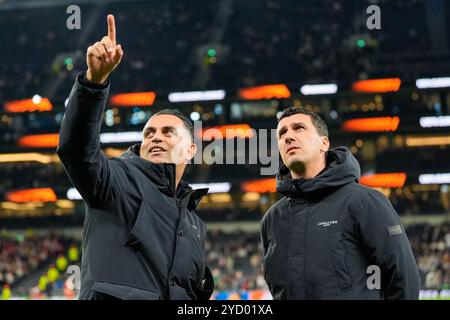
(326, 223)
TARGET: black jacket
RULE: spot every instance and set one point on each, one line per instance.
(322, 236)
(141, 238)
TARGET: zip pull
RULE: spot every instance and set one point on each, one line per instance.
(291, 203)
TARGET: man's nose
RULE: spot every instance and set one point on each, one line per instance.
(157, 137)
(288, 138)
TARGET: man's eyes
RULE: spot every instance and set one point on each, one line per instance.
(281, 134)
(165, 132)
(170, 131)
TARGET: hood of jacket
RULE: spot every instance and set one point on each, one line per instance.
(163, 176)
(341, 168)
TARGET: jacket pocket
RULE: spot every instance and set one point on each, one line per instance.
(340, 261)
(134, 231)
(196, 268)
(266, 263)
(103, 290)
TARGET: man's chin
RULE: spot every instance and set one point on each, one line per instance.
(157, 159)
(295, 163)
(293, 159)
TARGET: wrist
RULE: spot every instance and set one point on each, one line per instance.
(95, 79)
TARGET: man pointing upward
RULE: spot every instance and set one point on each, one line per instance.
(104, 56)
(141, 238)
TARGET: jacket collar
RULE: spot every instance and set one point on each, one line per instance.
(341, 168)
(163, 176)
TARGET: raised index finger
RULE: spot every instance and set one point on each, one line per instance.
(112, 29)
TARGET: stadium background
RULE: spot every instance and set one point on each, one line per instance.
(263, 56)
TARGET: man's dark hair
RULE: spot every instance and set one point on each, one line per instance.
(173, 112)
(316, 120)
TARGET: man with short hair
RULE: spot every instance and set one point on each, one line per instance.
(141, 238)
(330, 237)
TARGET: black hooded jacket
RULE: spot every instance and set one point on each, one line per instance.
(141, 237)
(322, 239)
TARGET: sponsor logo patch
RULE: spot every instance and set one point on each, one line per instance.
(395, 230)
(326, 223)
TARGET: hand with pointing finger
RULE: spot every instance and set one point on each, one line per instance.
(103, 56)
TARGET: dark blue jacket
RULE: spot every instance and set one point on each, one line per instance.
(321, 237)
(141, 238)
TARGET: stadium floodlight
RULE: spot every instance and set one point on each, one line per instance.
(427, 141)
(32, 195)
(377, 124)
(187, 96)
(432, 122)
(377, 85)
(434, 178)
(73, 194)
(47, 140)
(36, 99)
(195, 116)
(37, 103)
(311, 89)
(270, 91)
(119, 137)
(214, 187)
(29, 157)
(384, 180)
(426, 83)
(267, 185)
(133, 99)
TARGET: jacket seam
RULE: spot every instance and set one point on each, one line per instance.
(291, 214)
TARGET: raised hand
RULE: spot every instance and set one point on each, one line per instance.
(103, 56)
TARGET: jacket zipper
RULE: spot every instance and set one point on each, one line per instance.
(179, 233)
(306, 248)
(291, 215)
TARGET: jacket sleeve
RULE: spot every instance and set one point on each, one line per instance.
(386, 245)
(263, 234)
(88, 168)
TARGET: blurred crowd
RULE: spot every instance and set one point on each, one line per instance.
(415, 203)
(35, 38)
(159, 39)
(24, 254)
(431, 247)
(59, 279)
(27, 255)
(288, 42)
(16, 175)
(235, 260)
(263, 42)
